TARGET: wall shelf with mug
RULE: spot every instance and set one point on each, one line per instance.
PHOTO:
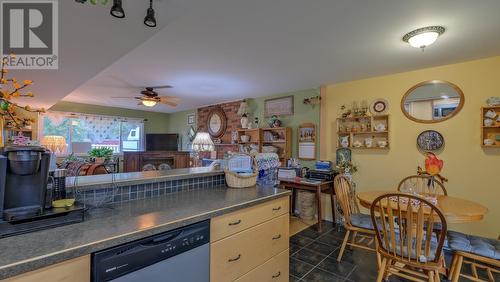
(364, 132)
(490, 127)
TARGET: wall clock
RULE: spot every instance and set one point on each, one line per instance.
(216, 123)
(430, 140)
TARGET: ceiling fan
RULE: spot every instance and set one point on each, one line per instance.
(149, 97)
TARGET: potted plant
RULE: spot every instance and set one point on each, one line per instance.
(101, 155)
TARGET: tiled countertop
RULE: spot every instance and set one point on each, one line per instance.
(121, 223)
(135, 178)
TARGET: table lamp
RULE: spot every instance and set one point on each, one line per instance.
(202, 143)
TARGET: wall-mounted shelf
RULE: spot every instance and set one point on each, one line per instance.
(490, 132)
(258, 137)
(359, 129)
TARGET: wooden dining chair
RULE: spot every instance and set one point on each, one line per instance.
(422, 184)
(404, 231)
(478, 252)
(354, 221)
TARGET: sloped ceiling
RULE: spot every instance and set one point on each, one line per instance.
(89, 41)
(220, 50)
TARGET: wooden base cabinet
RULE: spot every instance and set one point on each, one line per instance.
(74, 270)
(135, 161)
(255, 251)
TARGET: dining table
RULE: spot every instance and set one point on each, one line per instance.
(454, 209)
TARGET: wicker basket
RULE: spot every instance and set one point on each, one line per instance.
(235, 180)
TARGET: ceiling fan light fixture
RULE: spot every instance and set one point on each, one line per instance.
(149, 103)
(117, 9)
(150, 19)
(423, 37)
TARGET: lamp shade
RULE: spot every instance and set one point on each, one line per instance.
(54, 143)
(202, 142)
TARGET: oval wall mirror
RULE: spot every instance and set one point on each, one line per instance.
(432, 101)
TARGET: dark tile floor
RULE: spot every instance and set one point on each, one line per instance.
(313, 258)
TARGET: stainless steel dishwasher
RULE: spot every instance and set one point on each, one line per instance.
(180, 255)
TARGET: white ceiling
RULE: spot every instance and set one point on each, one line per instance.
(219, 50)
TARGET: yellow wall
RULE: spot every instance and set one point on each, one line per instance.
(473, 172)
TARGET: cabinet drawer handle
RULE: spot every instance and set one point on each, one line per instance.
(277, 275)
(235, 223)
(277, 209)
(234, 259)
(277, 237)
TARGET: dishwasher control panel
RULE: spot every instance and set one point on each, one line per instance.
(117, 261)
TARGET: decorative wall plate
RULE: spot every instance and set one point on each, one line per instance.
(379, 107)
(216, 123)
(430, 140)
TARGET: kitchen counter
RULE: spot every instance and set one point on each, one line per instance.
(135, 178)
(124, 222)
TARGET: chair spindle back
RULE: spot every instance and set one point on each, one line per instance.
(404, 227)
(422, 184)
(345, 197)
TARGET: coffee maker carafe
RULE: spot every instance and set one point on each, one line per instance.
(25, 182)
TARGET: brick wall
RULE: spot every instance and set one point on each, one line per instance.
(233, 123)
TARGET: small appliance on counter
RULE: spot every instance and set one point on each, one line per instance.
(321, 174)
(24, 197)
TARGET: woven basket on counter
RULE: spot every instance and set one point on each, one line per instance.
(236, 180)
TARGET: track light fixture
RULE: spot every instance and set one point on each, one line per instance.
(117, 9)
(150, 20)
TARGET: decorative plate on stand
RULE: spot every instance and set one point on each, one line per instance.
(379, 107)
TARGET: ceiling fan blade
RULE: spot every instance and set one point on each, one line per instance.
(168, 103)
(122, 97)
(161, 86)
(168, 99)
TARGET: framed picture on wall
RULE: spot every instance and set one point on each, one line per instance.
(282, 106)
(191, 119)
(307, 141)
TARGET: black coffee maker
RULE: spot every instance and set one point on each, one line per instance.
(25, 187)
(25, 205)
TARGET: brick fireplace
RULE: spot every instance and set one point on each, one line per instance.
(233, 123)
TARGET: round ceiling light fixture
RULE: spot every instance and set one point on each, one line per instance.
(423, 37)
(149, 103)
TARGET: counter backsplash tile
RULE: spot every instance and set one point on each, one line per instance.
(115, 194)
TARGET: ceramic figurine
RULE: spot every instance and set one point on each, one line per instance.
(490, 114)
(244, 121)
(357, 144)
(369, 142)
(382, 143)
(379, 127)
(488, 142)
(488, 122)
(493, 101)
(344, 141)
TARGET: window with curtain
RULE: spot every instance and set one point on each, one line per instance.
(85, 131)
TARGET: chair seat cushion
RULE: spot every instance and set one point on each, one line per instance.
(485, 247)
(361, 220)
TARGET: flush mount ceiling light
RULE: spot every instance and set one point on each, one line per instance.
(117, 9)
(423, 37)
(150, 20)
(149, 103)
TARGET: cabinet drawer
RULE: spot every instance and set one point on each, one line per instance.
(274, 270)
(234, 222)
(234, 256)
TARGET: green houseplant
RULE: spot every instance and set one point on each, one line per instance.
(101, 154)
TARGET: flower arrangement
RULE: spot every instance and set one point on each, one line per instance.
(10, 88)
(346, 167)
